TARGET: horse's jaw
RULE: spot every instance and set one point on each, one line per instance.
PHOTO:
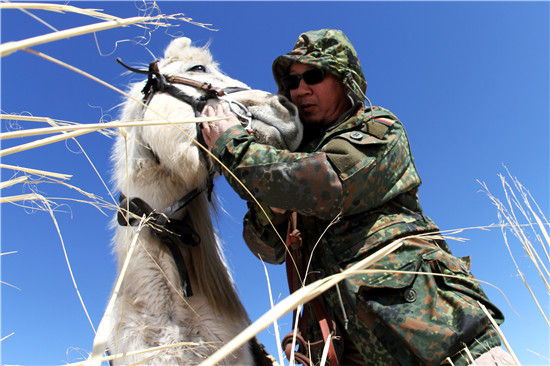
(275, 120)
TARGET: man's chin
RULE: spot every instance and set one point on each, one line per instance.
(312, 121)
(309, 119)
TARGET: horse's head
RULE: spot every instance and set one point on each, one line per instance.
(169, 149)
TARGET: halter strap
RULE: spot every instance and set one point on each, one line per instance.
(174, 233)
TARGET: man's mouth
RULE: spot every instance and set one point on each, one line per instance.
(307, 107)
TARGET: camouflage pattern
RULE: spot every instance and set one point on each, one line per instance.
(328, 49)
(361, 172)
(420, 318)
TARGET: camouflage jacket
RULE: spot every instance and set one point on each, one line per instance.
(355, 189)
(361, 172)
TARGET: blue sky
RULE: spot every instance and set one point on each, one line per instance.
(470, 81)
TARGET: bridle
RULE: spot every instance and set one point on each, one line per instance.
(177, 233)
(162, 83)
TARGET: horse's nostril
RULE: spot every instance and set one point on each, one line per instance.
(283, 100)
(288, 105)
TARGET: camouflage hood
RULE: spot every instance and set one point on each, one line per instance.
(328, 49)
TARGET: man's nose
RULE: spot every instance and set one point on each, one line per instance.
(303, 88)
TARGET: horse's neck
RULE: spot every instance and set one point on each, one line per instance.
(207, 266)
(157, 184)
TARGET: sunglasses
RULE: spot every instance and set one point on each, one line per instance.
(312, 76)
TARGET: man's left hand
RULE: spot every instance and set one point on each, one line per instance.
(211, 131)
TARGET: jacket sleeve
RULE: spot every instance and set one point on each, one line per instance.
(354, 172)
(301, 182)
(260, 237)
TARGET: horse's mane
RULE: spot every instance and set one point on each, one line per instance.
(208, 265)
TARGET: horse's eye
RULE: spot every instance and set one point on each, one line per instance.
(197, 68)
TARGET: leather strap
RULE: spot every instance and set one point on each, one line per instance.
(173, 233)
(295, 270)
(302, 345)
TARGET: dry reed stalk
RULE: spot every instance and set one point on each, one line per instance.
(25, 118)
(21, 197)
(512, 201)
(10, 285)
(334, 220)
(12, 182)
(6, 337)
(510, 221)
(325, 351)
(275, 324)
(205, 149)
(105, 326)
(294, 333)
(7, 253)
(501, 335)
(449, 361)
(58, 8)
(527, 199)
(63, 247)
(469, 355)
(291, 302)
(99, 126)
(38, 19)
(36, 171)
(524, 279)
(188, 345)
(10, 47)
(54, 124)
(43, 142)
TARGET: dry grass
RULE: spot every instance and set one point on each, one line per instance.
(35, 172)
(517, 200)
(291, 302)
(501, 335)
(521, 216)
(109, 23)
(69, 130)
(106, 325)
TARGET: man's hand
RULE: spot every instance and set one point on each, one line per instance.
(278, 210)
(212, 130)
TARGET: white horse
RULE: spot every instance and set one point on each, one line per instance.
(160, 165)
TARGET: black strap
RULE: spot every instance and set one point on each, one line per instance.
(174, 233)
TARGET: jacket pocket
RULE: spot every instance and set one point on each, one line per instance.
(459, 288)
(418, 316)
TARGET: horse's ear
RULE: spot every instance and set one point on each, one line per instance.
(176, 47)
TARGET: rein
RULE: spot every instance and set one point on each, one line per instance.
(176, 233)
(314, 308)
(158, 82)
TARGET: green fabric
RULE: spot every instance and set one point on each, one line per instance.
(376, 199)
(355, 188)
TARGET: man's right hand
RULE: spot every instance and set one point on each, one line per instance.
(278, 210)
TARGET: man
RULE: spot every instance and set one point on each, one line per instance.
(354, 185)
